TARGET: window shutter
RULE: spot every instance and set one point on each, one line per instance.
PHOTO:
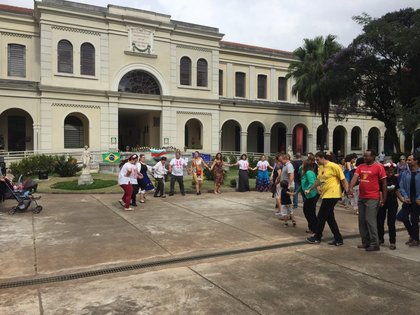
(87, 59)
(16, 65)
(65, 56)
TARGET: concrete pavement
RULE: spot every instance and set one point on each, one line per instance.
(83, 233)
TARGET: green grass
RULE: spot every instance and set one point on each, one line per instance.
(56, 184)
(73, 185)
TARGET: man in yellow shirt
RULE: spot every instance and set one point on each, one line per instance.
(330, 175)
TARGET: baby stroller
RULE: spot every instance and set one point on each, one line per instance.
(22, 193)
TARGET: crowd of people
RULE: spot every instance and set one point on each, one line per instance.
(372, 186)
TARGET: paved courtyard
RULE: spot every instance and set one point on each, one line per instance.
(205, 254)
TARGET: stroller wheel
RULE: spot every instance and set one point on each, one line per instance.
(12, 211)
(37, 209)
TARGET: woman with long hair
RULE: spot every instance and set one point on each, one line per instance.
(218, 175)
(197, 166)
(144, 182)
(263, 181)
(243, 179)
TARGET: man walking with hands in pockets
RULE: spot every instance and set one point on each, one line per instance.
(372, 181)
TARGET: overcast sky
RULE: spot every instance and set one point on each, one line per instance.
(280, 24)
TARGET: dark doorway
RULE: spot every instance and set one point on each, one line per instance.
(16, 133)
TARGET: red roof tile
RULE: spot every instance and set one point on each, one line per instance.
(244, 46)
(13, 9)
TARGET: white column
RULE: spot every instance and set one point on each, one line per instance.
(230, 81)
(267, 143)
(380, 144)
(252, 86)
(289, 141)
(310, 143)
(244, 138)
(37, 131)
(347, 144)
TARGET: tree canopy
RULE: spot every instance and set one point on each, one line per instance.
(378, 74)
(308, 72)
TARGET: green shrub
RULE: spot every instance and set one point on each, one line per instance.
(208, 174)
(233, 183)
(33, 164)
(232, 159)
(270, 160)
(66, 167)
(252, 160)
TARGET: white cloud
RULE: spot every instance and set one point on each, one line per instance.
(281, 24)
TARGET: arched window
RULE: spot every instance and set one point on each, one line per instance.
(16, 60)
(201, 72)
(185, 71)
(74, 133)
(87, 59)
(138, 81)
(65, 56)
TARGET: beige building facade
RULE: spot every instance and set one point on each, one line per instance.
(73, 74)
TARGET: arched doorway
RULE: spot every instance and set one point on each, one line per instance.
(231, 136)
(193, 134)
(373, 139)
(278, 138)
(255, 139)
(319, 138)
(76, 131)
(300, 133)
(138, 127)
(388, 144)
(356, 138)
(16, 130)
(339, 141)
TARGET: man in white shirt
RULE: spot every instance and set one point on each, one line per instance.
(176, 168)
(159, 172)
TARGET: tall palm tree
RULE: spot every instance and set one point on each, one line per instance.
(308, 72)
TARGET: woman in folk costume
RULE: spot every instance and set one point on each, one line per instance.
(243, 164)
(263, 181)
(218, 175)
(197, 170)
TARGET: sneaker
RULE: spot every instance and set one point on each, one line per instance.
(142, 201)
(293, 222)
(134, 204)
(409, 241)
(392, 246)
(128, 209)
(364, 246)
(414, 243)
(171, 194)
(336, 243)
(183, 194)
(313, 240)
(162, 196)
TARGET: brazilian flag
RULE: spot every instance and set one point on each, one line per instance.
(112, 157)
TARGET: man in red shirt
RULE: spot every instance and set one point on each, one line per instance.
(372, 181)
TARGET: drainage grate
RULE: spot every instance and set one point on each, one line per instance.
(139, 266)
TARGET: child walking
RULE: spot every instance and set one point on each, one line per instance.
(286, 212)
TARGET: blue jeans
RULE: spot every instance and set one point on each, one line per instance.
(409, 215)
(295, 196)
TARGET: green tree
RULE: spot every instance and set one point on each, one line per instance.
(379, 73)
(309, 75)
